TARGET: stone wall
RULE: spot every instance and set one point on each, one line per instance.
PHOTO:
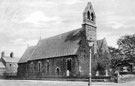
(22, 70)
(11, 68)
(84, 57)
(49, 68)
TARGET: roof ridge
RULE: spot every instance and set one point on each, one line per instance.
(60, 34)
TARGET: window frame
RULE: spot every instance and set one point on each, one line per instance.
(47, 65)
(57, 72)
(39, 66)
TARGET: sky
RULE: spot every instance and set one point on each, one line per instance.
(24, 22)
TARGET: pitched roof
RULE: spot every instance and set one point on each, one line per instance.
(1, 64)
(60, 45)
(9, 59)
(99, 43)
(26, 54)
(102, 46)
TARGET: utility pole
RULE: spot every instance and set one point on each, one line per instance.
(90, 45)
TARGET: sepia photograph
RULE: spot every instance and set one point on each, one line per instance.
(67, 42)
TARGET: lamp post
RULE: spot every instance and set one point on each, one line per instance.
(90, 45)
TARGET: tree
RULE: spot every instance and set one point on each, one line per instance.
(116, 57)
(114, 53)
(127, 47)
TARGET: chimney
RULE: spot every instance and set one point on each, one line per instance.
(2, 54)
(11, 54)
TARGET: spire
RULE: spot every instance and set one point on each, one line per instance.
(89, 16)
(89, 22)
(88, 7)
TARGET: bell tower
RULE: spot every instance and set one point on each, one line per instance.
(89, 22)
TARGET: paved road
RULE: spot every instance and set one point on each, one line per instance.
(58, 83)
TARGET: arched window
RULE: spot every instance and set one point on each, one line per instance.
(32, 67)
(39, 66)
(47, 65)
(88, 15)
(92, 16)
(69, 65)
(58, 70)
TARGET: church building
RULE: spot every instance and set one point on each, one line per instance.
(67, 54)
